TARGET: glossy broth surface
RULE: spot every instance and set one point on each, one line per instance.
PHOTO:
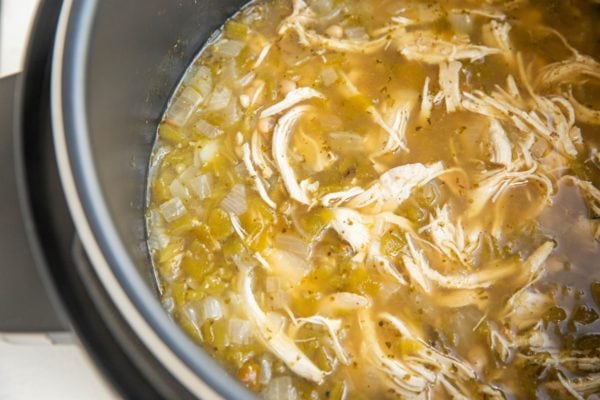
(388, 199)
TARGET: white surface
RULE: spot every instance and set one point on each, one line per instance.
(32, 367)
(17, 16)
(36, 366)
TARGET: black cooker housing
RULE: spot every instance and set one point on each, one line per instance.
(97, 77)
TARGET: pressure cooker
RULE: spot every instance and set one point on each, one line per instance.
(78, 127)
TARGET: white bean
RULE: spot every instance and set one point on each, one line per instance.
(286, 86)
(265, 125)
(335, 31)
(245, 100)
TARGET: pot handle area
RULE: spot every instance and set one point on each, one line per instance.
(24, 304)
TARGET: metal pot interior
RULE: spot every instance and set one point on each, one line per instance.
(115, 67)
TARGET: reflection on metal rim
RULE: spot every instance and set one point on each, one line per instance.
(151, 324)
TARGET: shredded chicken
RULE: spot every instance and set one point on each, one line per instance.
(375, 258)
(416, 374)
(420, 271)
(440, 257)
(302, 17)
(291, 99)
(532, 267)
(281, 139)
(312, 39)
(590, 192)
(258, 157)
(333, 326)
(572, 71)
(526, 308)
(501, 148)
(395, 185)
(551, 118)
(273, 339)
(574, 360)
(317, 158)
(494, 183)
(259, 184)
(583, 113)
(420, 46)
(301, 14)
(396, 374)
(500, 31)
(449, 82)
(237, 226)
(577, 387)
(426, 101)
(396, 128)
(501, 345)
(482, 12)
(335, 199)
(449, 366)
(349, 225)
(449, 237)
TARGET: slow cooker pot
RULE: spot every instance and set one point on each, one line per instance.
(96, 80)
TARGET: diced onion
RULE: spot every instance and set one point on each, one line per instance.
(280, 388)
(202, 186)
(178, 190)
(229, 48)
(293, 244)
(276, 320)
(180, 111)
(207, 129)
(229, 73)
(235, 201)
(240, 331)
(192, 313)
(211, 309)
(219, 99)
(279, 300)
(206, 153)
(233, 300)
(232, 112)
(200, 78)
(357, 33)
(266, 371)
(287, 265)
(187, 175)
(272, 284)
(158, 238)
(172, 209)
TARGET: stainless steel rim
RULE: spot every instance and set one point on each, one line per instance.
(137, 321)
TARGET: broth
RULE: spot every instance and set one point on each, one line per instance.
(388, 198)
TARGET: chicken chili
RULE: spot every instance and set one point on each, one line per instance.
(388, 199)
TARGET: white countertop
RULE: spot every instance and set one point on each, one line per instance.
(39, 366)
(49, 367)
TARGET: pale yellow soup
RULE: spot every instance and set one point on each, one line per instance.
(388, 199)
